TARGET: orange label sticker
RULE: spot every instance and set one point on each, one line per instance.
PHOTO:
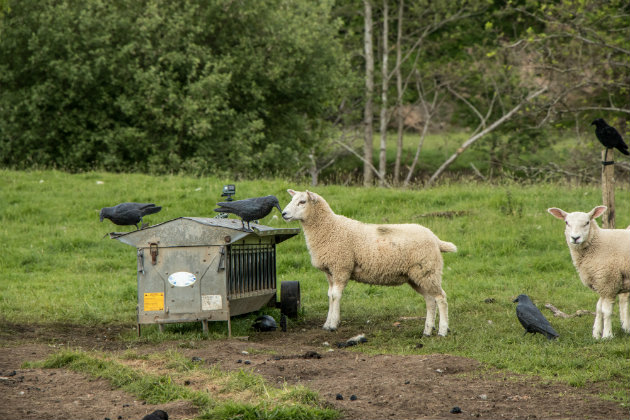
(154, 302)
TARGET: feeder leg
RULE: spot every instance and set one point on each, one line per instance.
(161, 327)
(204, 324)
(229, 328)
(138, 327)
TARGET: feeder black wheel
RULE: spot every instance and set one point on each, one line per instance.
(290, 298)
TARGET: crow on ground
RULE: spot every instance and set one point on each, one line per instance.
(265, 323)
(156, 415)
(609, 136)
(532, 319)
(127, 214)
(250, 208)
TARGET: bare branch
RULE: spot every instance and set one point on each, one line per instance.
(470, 105)
(476, 137)
(368, 164)
(429, 113)
(602, 108)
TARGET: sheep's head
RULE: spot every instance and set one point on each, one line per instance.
(300, 205)
(578, 224)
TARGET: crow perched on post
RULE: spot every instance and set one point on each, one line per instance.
(609, 136)
(250, 208)
(127, 214)
(532, 319)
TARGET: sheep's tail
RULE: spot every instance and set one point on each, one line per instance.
(447, 246)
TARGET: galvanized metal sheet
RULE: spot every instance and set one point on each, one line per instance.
(196, 268)
(199, 231)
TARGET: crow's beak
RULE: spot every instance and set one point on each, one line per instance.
(515, 300)
(278, 207)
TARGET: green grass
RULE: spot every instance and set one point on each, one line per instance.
(269, 402)
(57, 268)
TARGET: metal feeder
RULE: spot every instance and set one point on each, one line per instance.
(207, 269)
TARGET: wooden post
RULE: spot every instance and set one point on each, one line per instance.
(608, 188)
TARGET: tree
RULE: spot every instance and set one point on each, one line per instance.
(368, 115)
(152, 85)
(400, 126)
(383, 120)
(581, 48)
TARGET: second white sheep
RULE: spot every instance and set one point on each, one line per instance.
(602, 259)
(389, 255)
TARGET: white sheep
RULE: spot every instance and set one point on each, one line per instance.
(602, 259)
(390, 255)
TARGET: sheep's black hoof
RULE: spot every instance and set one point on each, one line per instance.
(329, 329)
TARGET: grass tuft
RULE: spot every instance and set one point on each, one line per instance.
(268, 402)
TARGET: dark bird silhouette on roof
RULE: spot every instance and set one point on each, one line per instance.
(250, 208)
(156, 415)
(609, 136)
(532, 319)
(127, 214)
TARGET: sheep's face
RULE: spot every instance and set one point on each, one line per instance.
(298, 208)
(578, 224)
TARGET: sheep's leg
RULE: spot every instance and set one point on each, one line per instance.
(335, 290)
(443, 308)
(607, 310)
(432, 301)
(597, 326)
(429, 323)
(623, 311)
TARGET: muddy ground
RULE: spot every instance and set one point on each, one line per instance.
(385, 386)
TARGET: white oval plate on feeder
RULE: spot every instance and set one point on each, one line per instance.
(182, 279)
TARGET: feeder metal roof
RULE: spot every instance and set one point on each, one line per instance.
(199, 231)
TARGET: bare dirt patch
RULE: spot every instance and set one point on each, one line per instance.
(385, 386)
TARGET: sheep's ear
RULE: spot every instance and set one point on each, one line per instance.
(311, 196)
(597, 211)
(559, 213)
(291, 192)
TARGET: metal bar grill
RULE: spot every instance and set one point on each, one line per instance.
(251, 269)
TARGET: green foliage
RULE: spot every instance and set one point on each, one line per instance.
(246, 88)
(581, 50)
(194, 86)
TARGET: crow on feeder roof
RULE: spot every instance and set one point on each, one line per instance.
(250, 208)
(127, 214)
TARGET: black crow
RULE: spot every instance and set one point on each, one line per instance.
(127, 214)
(532, 319)
(357, 339)
(609, 136)
(250, 208)
(265, 323)
(156, 415)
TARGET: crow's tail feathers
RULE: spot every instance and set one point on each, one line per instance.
(151, 210)
(624, 150)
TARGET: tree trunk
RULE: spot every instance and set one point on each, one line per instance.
(399, 95)
(382, 162)
(368, 114)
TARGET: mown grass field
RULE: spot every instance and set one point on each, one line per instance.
(56, 267)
